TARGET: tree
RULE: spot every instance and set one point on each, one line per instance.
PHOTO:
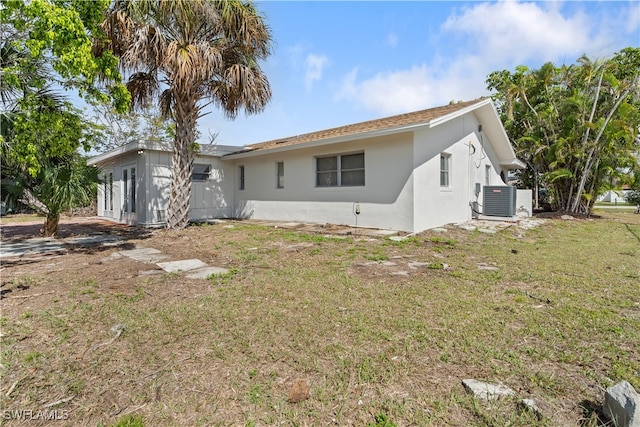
(42, 159)
(47, 46)
(190, 54)
(114, 129)
(575, 126)
(633, 196)
(45, 41)
(60, 185)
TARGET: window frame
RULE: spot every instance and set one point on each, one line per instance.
(201, 176)
(108, 193)
(241, 177)
(339, 170)
(445, 170)
(105, 185)
(279, 175)
(125, 189)
(129, 189)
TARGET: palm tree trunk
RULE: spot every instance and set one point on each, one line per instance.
(186, 113)
(51, 225)
(29, 199)
(590, 159)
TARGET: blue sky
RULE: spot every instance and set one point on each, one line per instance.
(337, 62)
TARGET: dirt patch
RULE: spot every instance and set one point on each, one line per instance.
(373, 325)
(27, 227)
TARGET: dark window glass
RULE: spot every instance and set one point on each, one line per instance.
(200, 173)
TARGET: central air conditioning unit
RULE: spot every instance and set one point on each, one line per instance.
(499, 200)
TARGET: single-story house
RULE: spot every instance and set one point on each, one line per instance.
(409, 172)
(615, 196)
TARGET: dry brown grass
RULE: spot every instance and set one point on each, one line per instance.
(372, 333)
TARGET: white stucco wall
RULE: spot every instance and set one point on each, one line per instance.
(116, 168)
(158, 168)
(385, 199)
(402, 179)
(209, 199)
(470, 153)
(213, 198)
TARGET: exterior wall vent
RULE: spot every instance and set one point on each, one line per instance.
(499, 200)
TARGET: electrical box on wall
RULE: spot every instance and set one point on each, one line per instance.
(499, 200)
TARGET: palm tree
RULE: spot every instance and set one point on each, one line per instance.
(60, 185)
(190, 54)
(40, 157)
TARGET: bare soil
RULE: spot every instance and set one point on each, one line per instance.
(195, 351)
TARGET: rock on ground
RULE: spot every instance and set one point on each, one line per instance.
(486, 391)
(622, 405)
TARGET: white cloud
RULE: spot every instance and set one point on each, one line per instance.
(517, 32)
(314, 67)
(488, 37)
(633, 19)
(402, 91)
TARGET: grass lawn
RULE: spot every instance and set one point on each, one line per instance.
(383, 332)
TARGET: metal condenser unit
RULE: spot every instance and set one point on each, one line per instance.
(499, 200)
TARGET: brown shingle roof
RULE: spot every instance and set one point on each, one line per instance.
(423, 116)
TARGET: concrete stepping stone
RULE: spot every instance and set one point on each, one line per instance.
(417, 264)
(183, 265)
(487, 267)
(144, 254)
(205, 272)
(486, 230)
(105, 240)
(400, 273)
(486, 391)
(35, 246)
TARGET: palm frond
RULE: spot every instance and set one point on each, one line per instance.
(242, 87)
(166, 104)
(142, 86)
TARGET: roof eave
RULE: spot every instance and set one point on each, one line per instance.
(135, 146)
(248, 152)
(513, 164)
(459, 113)
(116, 152)
(326, 141)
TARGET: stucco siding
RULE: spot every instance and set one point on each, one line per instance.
(157, 186)
(209, 199)
(116, 196)
(385, 199)
(402, 187)
(212, 198)
(469, 155)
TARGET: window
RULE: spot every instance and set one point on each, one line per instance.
(340, 171)
(200, 172)
(241, 174)
(280, 175)
(105, 204)
(327, 171)
(129, 189)
(445, 169)
(108, 192)
(133, 189)
(125, 190)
